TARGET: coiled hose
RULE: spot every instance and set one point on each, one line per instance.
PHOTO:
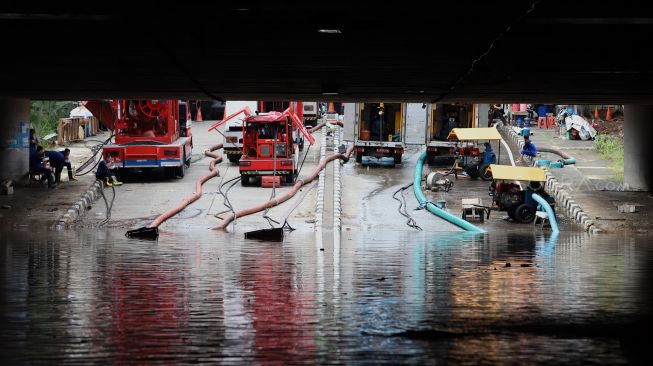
(417, 188)
(151, 231)
(279, 200)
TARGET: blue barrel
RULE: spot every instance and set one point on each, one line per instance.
(542, 110)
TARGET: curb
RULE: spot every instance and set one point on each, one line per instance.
(80, 207)
(562, 196)
(319, 208)
(336, 185)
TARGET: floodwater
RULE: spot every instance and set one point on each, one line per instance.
(375, 297)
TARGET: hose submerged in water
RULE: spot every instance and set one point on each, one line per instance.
(152, 230)
(549, 211)
(417, 188)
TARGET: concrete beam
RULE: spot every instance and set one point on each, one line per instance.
(638, 129)
(14, 138)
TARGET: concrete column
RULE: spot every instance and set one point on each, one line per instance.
(14, 138)
(638, 129)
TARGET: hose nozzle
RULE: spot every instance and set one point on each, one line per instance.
(147, 233)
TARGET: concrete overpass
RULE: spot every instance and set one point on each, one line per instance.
(547, 51)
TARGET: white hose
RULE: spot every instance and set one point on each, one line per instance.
(505, 144)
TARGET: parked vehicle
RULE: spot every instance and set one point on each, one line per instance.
(509, 196)
(384, 129)
(232, 130)
(148, 134)
(310, 112)
(443, 119)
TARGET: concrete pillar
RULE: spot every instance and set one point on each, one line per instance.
(638, 129)
(14, 138)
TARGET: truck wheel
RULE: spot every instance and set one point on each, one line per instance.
(430, 159)
(180, 171)
(484, 172)
(359, 158)
(398, 159)
(290, 178)
(244, 180)
(525, 213)
(233, 158)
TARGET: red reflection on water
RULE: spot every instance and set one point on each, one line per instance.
(283, 312)
(149, 312)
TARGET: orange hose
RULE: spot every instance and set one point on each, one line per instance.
(277, 201)
(322, 124)
(198, 187)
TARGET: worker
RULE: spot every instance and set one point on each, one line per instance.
(69, 167)
(36, 166)
(489, 157)
(376, 127)
(105, 171)
(59, 160)
(529, 151)
(495, 112)
(33, 141)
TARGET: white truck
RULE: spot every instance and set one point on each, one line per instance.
(310, 112)
(444, 118)
(384, 129)
(233, 129)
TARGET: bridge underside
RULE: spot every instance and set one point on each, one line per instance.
(546, 51)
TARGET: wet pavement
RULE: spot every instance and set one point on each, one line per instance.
(147, 194)
(381, 292)
(593, 184)
(35, 206)
(377, 296)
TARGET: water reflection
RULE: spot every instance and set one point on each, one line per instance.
(377, 296)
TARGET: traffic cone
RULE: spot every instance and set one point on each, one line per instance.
(332, 109)
(596, 112)
(199, 113)
(608, 114)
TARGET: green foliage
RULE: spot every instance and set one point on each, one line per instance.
(45, 114)
(612, 148)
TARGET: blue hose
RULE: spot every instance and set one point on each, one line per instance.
(417, 188)
(549, 211)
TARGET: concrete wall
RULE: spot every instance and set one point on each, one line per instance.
(638, 147)
(481, 115)
(14, 138)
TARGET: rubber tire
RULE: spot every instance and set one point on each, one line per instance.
(359, 158)
(525, 213)
(482, 217)
(244, 180)
(233, 158)
(473, 173)
(289, 179)
(180, 171)
(482, 174)
(430, 159)
(397, 158)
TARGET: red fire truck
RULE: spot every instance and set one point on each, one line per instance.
(269, 141)
(148, 134)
